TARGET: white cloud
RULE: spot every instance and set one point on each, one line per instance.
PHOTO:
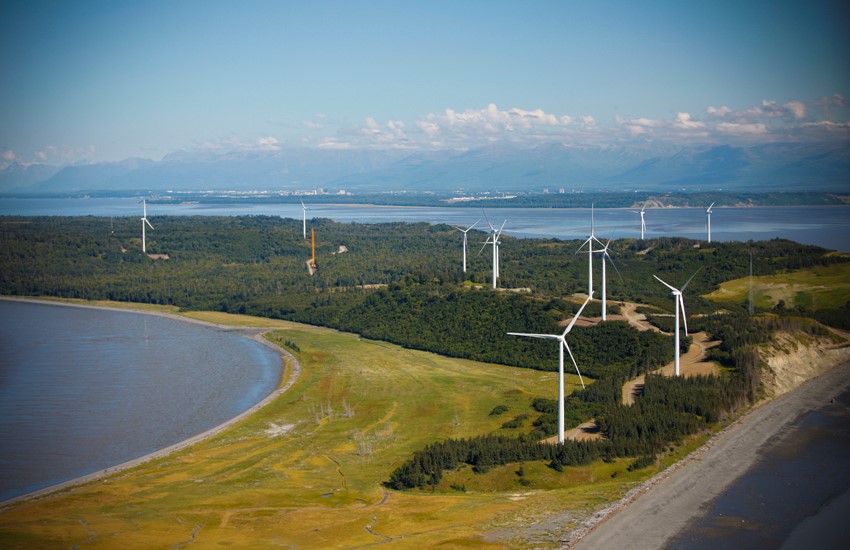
(798, 108)
(474, 127)
(332, 143)
(741, 129)
(268, 143)
(719, 111)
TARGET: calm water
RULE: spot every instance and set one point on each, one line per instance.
(796, 496)
(827, 226)
(85, 389)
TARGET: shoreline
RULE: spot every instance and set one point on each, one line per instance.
(255, 333)
(653, 513)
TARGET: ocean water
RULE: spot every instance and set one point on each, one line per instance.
(826, 226)
(85, 389)
(797, 496)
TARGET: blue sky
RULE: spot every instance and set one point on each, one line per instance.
(102, 81)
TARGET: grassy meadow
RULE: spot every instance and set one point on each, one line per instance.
(307, 470)
(813, 288)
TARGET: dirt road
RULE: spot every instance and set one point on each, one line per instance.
(677, 495)
(692, 363)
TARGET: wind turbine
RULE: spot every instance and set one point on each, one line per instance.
(708, 213)
(590, 251)
(679, 302)
(642, 221)
(604, 252)
(562, 343)
(465, 231)
(304, 218)
(144, 221)
(494, 240)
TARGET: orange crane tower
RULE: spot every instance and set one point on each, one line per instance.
(313, 237)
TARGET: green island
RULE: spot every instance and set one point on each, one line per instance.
(414, 419)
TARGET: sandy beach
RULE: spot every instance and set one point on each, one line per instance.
(652, 514)
(253, 333)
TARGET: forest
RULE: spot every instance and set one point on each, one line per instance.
(668, 410)
(403, 283)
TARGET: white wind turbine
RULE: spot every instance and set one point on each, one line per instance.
(708, 220)
(562, 344)
(604, 252)
(144, 221)
(304, 218)
(679, 303)
(642, 221)
(494, 240)
(465, 231)
(590, 251)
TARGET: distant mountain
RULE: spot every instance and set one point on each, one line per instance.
(766, 167)
(499, 167)
(297, 168)
(502, 167)
(89, 177)
(16, 177)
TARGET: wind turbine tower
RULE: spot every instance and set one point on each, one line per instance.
(604, 253)
(494, 240)
(590, 251)
(144, 221)
(562, 344)
(678, 303)
(304, 219)
(465, 231)
(642, 221)
(708, 220)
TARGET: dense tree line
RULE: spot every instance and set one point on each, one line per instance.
(668, 410)
(397, 282)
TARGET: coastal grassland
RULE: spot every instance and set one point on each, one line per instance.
(307, 469)
(813, 288)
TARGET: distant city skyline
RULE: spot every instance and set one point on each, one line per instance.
(103, 81)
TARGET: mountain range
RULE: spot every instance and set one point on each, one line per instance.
(499, 167)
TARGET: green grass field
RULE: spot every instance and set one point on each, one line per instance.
(295, 475)
(816, 288)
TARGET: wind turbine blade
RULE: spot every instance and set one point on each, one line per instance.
(610, 259)
(564, 342)
(488, 220)
(473, 225)
(483, 247)
(591, 219)
(577, 315)
(589, 239)
(684, 316)
(543, 336)
(147, 222)
(665, 284)
(709, 208)
(302, 204)
(643, 208)
(689, 280)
